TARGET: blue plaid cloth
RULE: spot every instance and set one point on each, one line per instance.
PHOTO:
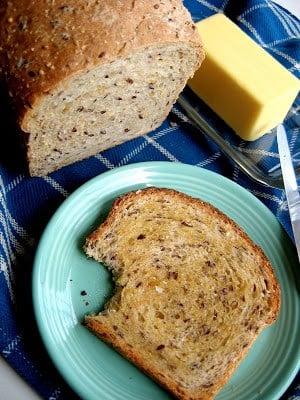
(26, 204)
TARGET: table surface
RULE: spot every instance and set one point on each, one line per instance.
(13, 387)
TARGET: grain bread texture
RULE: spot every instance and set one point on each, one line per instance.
(88, 75)
(192, 290)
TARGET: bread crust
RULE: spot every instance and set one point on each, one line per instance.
(103, 329)
(44, 44)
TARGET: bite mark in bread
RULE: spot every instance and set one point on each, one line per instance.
(193, 291)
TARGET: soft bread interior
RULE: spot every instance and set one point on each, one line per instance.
(107, 105)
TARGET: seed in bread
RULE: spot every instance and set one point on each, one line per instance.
(192, 290)
(86, 76)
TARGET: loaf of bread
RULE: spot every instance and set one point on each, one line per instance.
(192, 290)
(88, 75)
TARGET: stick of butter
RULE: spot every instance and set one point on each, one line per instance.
(250, 90)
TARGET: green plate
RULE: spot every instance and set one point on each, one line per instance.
(66, 286)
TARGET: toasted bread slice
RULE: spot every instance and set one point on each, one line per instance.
(193, 291)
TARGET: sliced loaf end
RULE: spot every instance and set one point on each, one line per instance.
(87, 76)
(107, 105)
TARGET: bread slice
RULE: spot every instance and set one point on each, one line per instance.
(193, 291)
(86, 76)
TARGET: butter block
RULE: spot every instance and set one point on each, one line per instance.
(250, 90)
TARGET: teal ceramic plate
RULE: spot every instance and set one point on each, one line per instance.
(66, 286)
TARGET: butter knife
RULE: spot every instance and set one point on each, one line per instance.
(290, 184)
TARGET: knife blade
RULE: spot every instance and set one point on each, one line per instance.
(290, 184)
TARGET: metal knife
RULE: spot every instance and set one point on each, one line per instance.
(290, 183)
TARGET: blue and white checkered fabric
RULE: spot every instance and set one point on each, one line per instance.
(26, 204)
